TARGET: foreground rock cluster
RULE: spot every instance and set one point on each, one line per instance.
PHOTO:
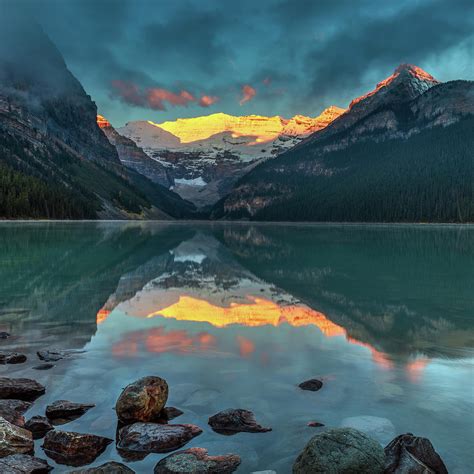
(143, 427)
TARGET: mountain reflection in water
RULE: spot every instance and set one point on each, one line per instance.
(238, 315)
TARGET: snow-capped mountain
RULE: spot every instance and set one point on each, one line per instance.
(206, 155)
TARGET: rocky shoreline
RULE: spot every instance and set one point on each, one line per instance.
(143, 427)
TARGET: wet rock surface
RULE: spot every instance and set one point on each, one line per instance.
(4, 335)
(13, 411)
(315, 424)
(12, 358)
(14, 440)
(155, 438)
(39, 426)
(74, 449)
(43, 367)
(232, 421)
(20, 389)
(142, 400)
(63, 411)
(107, 468)
(312, 385)
(24, 464)
(409, 454)
(342, 450)
(197, 460)
(54, 355)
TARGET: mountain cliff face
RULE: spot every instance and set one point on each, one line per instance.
(395, 141)
(55, 161)
(133, 156)
(205, 156)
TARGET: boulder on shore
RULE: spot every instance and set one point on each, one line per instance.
(20, 389)
(341, 451)
(236, 420)
(24, 464)
(14, 440)
(13, 411)
(197, 461)
(142, 400)
(409, 454)
(111, 467)
(74, 449)
(155, 438)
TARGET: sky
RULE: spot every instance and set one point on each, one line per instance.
(163, 59)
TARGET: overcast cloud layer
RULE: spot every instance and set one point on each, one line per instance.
(158, 60)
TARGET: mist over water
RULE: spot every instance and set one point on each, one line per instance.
(236, 315)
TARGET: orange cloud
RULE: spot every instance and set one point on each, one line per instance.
(157, 98)
(207, 100)
(248, 93)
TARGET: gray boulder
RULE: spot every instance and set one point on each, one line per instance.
(341, 451)
(14, 440)
(23, 464)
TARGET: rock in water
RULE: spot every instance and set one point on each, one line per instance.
(43, 367)
(155, 438)
(341, 451)
(142, 400)
(63, 410)
(39, 426)
(312, 385)
(4, 335)
(14, 440)
(315, 424)
(12, 358)
(74, 449)
(169, 413)
(409, 454)
(20, 389)
(24, 464)
(13, 410)
(54, 355)
(232, 421)
(381, 429)
(196, 460)
(107, 468)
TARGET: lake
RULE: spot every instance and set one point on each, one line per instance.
(237, 315)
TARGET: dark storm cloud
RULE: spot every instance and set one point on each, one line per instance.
(297, 55)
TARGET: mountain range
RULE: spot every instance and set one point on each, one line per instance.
(401, 152)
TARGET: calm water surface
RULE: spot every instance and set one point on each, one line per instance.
(235, 316)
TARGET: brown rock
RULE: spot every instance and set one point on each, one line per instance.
(20, 389)
(24, 464)
(39, 426)
(315, 424)
(14, 440)
(12, 358)
(142, 400)
(409, 454)
(107, 468)
(13, 410)
(74, 449)
(169, 413)
(312, 385)
(232, 421)
(156, 438)
(197, 461)
(62, 411)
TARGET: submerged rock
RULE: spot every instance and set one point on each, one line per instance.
(169, 413)
(13, 410)
(62, 411)
(341, 451)
(24, 464)
(232, 421)
(315, 424)
(111, 467)
(43, 367)
(312, 384)
(20, 389)
(12, 358)
(54, 355)
(197, 461)
(142, 400)
(39, 426)
(4, 335)
(409, 454)
(14, 440)
(156, 438)
(381, 429)
(74, 449)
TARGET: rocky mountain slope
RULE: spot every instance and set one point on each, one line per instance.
(204, 156)
(402, 152)
(55, 161)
